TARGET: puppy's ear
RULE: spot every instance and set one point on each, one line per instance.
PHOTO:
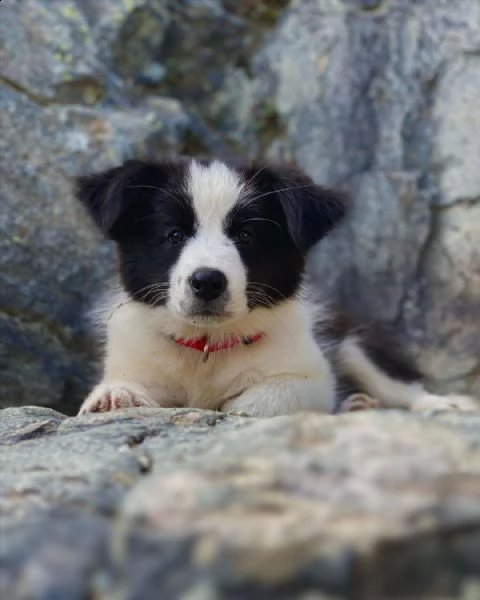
(107, 195)
(311, 210)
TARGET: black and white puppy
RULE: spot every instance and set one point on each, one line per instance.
(213, 312)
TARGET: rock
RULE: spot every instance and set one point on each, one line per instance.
(200, 504)
(49, 54)
(52, 262)
(381, 98)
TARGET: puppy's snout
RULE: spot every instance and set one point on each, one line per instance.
(208, 284)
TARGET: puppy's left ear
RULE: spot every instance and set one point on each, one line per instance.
(108, 195)
(311, 211)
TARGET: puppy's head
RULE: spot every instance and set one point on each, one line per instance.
(209, 241)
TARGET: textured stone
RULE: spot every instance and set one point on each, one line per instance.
(457, 113)
(200, 504)
(52, 262)
(47, 53)
(381, 98)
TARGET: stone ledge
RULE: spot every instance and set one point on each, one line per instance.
(199, 504)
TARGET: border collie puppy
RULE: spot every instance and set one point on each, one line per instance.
(212, 311)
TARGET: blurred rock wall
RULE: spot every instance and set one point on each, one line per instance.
(379, 98)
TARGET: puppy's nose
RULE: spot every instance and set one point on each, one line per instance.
(208, 284)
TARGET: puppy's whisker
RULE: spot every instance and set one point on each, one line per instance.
(262, 168)
(158, 299)
(287, 189)
(114, 310)
(262, 288)
(150, 290)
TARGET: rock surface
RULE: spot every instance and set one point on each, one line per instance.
(381, 97)
(52, 262)
(202, 505)
(378, 97)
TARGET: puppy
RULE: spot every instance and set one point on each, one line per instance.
(212, 311)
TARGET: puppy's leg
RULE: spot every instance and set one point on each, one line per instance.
(284, 396)
(450, 402)
(388, 376)
(108, 396)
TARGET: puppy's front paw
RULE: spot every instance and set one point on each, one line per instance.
(358, 401)
(431, 402)
(112, 396)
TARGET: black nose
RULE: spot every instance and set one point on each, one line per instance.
(208, 284)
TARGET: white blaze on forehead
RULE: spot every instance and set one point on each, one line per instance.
(214, 190)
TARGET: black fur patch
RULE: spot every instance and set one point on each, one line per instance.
(273, 262)
(310, 210)
(378, 343)
(138, 205)
(287, 214)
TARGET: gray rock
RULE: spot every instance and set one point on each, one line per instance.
(49, 54)
(381, 98)
(205, 505)
(52, 262)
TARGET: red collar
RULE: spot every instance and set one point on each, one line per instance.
(203, 345)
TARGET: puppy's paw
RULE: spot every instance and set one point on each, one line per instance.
(431, 402)
(237, 413)
(358, 401)
(112, 396)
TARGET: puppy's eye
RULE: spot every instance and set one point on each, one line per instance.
(176, 236)
(245, 237)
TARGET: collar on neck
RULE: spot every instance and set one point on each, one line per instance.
(204, 345)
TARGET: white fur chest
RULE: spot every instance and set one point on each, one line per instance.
(140, 350)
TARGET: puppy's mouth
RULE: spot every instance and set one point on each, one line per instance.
(211, 313)
(204, 314)
(208, 316)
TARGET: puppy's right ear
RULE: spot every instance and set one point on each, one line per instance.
(107, 195)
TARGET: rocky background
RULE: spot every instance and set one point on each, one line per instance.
(377, 97)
